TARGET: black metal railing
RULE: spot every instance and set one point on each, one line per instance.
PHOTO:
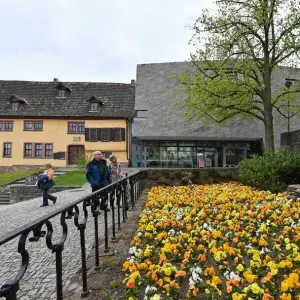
(116, 194)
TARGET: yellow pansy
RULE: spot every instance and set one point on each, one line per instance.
(256, 289)
(237, 296)
(249, 276)
(286, 296)
(284, 286)
(240, 267)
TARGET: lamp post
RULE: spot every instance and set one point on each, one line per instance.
(288, 84)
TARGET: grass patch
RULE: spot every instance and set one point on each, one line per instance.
(9, 177)
(71, 178)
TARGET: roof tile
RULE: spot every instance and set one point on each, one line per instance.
(43, 101)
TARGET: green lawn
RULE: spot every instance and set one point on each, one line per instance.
(8, 177)
(71, 178)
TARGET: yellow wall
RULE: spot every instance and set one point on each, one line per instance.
(55, 132)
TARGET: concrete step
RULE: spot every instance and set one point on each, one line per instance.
(19, 182)
(4, 202)
(4, 195)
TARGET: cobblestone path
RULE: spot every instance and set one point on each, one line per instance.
(39, 281)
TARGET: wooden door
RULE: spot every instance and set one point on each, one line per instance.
(73, 152)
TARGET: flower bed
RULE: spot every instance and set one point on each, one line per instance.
(215, 242)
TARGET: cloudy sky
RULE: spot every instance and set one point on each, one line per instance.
(92, 40)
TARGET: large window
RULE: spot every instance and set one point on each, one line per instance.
(116, 134)
(28, 150)
(80, 127)
(189, 154)
(33, 125)
(38, 125)
(93, 135)
(234, 156)
(38, 150)
(6, 125)
(48, 150)
(105, 134)
(76, 127)
(7, 149)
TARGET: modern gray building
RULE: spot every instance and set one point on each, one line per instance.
(161, 136)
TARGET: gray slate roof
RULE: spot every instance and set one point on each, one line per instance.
(43, 101)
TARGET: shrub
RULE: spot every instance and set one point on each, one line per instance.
(82, 160)
(272, 171)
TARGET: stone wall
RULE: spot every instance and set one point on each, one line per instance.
(18, 168)
(21, 192)
(173, 177)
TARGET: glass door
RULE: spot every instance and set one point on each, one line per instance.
(207, 157)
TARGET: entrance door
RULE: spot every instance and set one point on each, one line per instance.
(207, 158)
(73, 152)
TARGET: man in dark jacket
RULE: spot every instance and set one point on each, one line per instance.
(97, 172)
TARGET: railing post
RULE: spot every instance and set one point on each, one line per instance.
(113, 219)
(118, 193)
(81, 227)
(95, 210)
(85, 291)
(106, 248)
(58, 249)
(12, 295)
(124, 201)
(126, 198)
(132, 193)
(140, 190)
(135, 191)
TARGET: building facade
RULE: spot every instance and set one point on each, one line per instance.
(162, 137)
(54, 122)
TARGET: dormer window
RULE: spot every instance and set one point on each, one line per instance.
(14, 106)
(94, 104)
(16, 102)
(61, 93)
(63, 90)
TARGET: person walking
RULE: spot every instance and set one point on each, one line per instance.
(45, 182)
(114, 168)
(115, 173)
(97, 172)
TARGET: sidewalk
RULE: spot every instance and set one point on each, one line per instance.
(39, 280)
(15, 215)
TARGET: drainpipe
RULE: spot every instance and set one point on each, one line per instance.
(130, 122)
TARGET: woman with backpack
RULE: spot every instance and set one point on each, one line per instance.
(45, 182)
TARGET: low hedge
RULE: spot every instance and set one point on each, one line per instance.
(272, 171)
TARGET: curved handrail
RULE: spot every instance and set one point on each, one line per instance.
(39, 221)
(136, 183)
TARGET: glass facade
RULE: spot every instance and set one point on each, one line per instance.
(191, 154)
